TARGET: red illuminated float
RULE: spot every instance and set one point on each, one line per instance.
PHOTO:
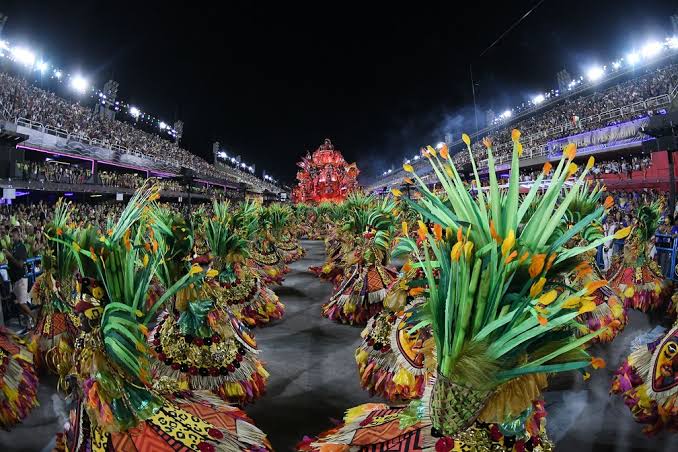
(325, 176)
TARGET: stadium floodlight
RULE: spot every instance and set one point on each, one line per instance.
(222, 154)
(616, 64)
(595, 73)
(23, 56)
(633, 58)
(57, 74)
(407, 160)
(416, 157)
(42, 66)
(672, 42)
(440, 145)
(506, 114)
(651, 49)
(79, 84)
(4, 45)
(538, 99)
(163, 126)
(243, 165)
(134, 111)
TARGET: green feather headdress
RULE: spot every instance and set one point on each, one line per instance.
(494, 305)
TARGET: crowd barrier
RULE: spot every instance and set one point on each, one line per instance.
(33, 269)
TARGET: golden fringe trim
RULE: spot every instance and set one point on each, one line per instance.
(513, 397)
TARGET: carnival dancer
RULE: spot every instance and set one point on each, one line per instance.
(238, 285)
(198, 341)
(609, 314)
(57, 326)
(114, 405)
(648, 380)
(634, 275)
(266, 257)
(499, 315)
(392, 357)
(361, 293)
(282, 225)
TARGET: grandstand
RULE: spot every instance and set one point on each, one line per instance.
(604, 117)
(40, 126)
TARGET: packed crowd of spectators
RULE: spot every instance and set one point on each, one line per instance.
(56, 172)
(19, 99)
(621, 166)
(50, 171)
(577, 114)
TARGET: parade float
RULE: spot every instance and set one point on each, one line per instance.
(325, 176)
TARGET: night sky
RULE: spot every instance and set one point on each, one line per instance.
(270, 82)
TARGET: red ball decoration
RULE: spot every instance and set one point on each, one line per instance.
(206, 447)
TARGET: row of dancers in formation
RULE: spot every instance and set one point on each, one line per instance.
(147, 324)
(147, 321)
(496, 291)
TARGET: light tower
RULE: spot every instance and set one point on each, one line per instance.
(105, 107)
(179, 129)
(564, 78)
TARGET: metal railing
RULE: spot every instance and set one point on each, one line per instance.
(33, 270)
(531, 149)
(63, 133)
(667, 244)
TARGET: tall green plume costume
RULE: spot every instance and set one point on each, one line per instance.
(634, 275)
(198, 340)
(370, 228)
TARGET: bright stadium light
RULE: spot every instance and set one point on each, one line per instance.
(24, 56)
(222, 154)
(416, 157)
(42, 66)
(57, 74)
(4, 45)
(538, 99)
(616, 64)
(407, 160)
(672, 42)
(79, 84)
(134, 111)
(163, 126)
(595, 73)
(506, 114)
(633, 58)
(651, 49)
(440, 145)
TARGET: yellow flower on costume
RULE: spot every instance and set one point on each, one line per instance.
(548, 298)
